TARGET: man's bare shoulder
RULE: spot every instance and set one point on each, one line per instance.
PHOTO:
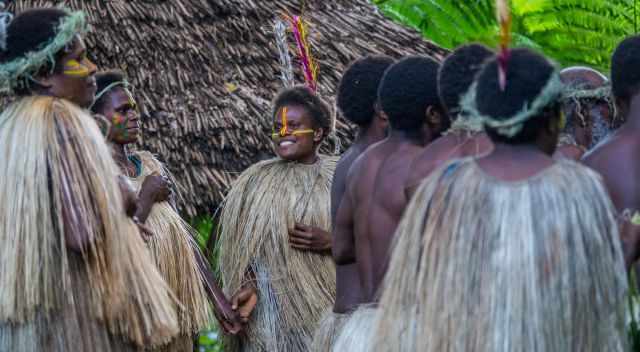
(611, 152)
(365, 160)
(432, 156)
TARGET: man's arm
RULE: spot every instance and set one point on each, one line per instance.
(227, 318)
(344, 251)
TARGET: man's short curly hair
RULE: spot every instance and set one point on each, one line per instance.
(358, 89)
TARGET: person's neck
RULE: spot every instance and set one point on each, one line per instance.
(120, 154)
(399, 136)
(633, 117)
(368, 135)
(309, 159)
(517, 151)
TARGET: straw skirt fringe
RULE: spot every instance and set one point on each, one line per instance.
(172, 248)
(106, 298)
(355, 335)
(328, 330)
(294, 287)
(484, 265)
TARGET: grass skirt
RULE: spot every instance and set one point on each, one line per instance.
(485, 265)
(172, 249)
(294, 287)
(107, 298)
(355, 335)
(328, 330)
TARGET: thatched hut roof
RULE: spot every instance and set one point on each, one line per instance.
(206, 71)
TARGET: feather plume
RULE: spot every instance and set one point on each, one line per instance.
(5, 19)
(286, 69)
(503, 13)
(307, 62)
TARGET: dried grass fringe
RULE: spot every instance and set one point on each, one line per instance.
(172, 248)
(355, 335)
(295, 287)
(481, 264)
(328, 330)
(50, 295)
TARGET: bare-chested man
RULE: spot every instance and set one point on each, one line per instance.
(588, 110)
(374, 201)
(617, 158)
(466, 136)
(357, 99)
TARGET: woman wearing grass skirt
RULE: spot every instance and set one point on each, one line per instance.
(171, 242)
(75, 273)
(275, 255)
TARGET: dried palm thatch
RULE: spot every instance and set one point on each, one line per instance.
(294, 287)
(52, 296)
(172, 248)
(207, 69)
(480, 264)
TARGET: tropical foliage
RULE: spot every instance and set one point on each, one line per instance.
(209, 340)
(573, 32)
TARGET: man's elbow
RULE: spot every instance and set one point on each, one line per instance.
(343, 256)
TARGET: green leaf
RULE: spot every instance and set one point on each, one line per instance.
(571, 32)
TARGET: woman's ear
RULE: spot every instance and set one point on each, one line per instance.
(318, 134)
(42, 83)
(433, 116)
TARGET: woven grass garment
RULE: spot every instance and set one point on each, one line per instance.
(107, 298)
(355, 335)
(480, 264)
(172, 248)
(294, 287)
(329, 328)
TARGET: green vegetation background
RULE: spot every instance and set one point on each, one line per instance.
(573, 32)
(208, 340)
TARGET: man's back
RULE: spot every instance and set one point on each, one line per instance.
(375, 182)
(348, 290)
(454, 145)
(616, 160)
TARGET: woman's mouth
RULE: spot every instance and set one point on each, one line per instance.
(286, 143)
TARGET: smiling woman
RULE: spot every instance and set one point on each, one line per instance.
(302, 120)
(274, 245)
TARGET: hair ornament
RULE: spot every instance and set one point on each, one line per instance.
(17, 72)
(5, 19)
(512, 125)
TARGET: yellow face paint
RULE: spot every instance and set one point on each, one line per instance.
(284, 130)
(132, 101)
(563, 121)
(75, 68)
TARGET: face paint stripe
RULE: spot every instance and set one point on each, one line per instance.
(75, 68)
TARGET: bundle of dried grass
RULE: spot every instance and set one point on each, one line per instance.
(327, 332)
(355, 335)
(107, 297)
(294, 287)
(172, 248)
(480, 264)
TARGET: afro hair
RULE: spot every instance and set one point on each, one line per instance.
(407, 89)
(358, 89)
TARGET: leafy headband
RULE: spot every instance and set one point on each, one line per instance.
(511, 126)
(14, 74)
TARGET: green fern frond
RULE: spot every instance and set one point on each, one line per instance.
(581, 32)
